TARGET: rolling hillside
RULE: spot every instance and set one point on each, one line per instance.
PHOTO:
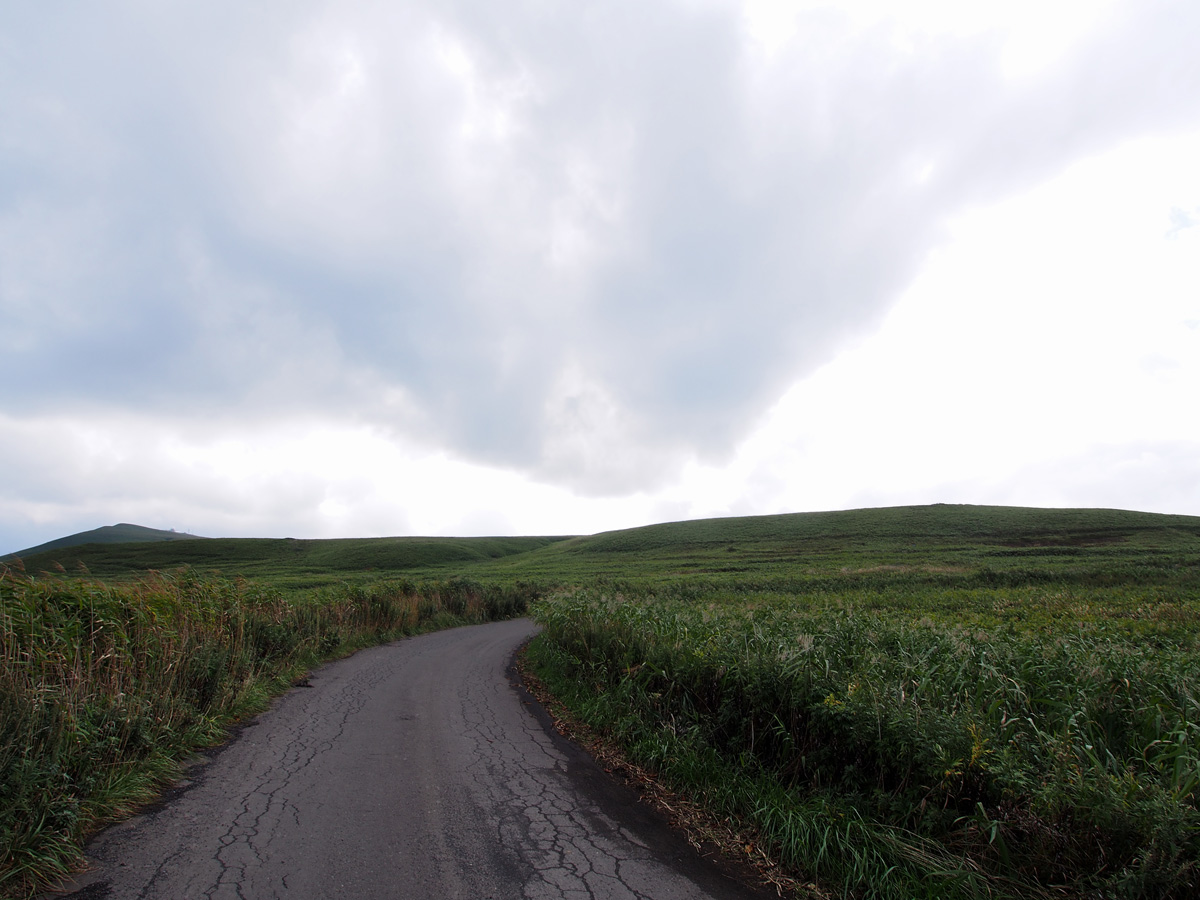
(123, 533)
(298, 561)
(938, 538)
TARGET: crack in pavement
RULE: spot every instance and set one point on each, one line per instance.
(416, 769)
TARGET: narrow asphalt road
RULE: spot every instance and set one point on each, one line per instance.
(420, 769)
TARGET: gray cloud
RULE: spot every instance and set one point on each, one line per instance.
(584, 242)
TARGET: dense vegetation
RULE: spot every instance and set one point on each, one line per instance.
(916, 740)
(918, 702)
(914, 702)
(105, 688)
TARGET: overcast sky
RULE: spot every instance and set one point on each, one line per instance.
(316, 269)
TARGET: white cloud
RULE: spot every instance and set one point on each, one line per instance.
(1054, 333)
(582, 253)
(288, 478)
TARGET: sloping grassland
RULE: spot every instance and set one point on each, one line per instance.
(286, 562)
(939, 701)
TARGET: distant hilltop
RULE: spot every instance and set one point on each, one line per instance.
(123, 533)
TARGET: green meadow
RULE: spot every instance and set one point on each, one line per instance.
(287, 564)
(940, 701)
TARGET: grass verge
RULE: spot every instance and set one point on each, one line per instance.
(1027, 744)
(740, 850)
(104, 689)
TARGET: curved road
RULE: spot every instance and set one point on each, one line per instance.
(417, 769)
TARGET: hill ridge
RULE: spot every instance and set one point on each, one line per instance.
(121, 533)
(935, 536)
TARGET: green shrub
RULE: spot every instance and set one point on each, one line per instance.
(1062, 751)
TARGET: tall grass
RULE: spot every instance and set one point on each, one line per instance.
(103, 688)
(999, 743)
(920, 701)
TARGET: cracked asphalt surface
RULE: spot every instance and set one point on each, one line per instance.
(417, 769)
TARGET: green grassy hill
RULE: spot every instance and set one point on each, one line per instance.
(897, 528)
(124, 533)
(930, 539)
(296, 563)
